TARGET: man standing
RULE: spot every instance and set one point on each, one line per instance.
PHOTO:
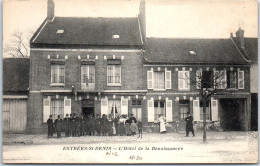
(189, 125)
(73, 125)
(66, 125)
(50, 127)
(58, 126)
(98, 124)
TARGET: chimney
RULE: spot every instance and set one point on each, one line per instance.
(141, 17)
(50, 10)
(240, 37)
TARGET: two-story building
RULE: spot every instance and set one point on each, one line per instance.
(85, 66)
(171, 70)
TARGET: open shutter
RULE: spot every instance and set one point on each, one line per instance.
(214, 110)
(241, 80)
(168, 80)
(180, 80)
(150, 110)
(124, 106)
(196, 110)
(104, 107)
(169, 110)
(67, 107)
(46, 109)
(198, 79)
(149, 79)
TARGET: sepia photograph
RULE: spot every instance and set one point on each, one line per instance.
(130, 82)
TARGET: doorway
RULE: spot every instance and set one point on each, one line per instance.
(86, 111)
(184, 108)
(232, 115)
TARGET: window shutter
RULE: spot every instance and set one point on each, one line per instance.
(150, 110)
(149, 79)
(180, 79)
(67, 106)
(196, 110)
(214, 110)
(216, 80)
(241, 80)
(124, 106)
(46, 109)
(104, 107)
(169, 110)
(198, 79)
(168, 80)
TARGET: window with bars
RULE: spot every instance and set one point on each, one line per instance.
(57, 108)
(113, 74)
(158, 80)
(88, 74)
(57, 74)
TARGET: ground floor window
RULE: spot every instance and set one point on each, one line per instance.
(208, 111)
(57, 108)
(114, 107)
(159, 109)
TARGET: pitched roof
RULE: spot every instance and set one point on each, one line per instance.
(89, 31)
(177, 50)
(16, 73)
(251, 46)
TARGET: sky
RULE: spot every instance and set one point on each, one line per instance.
(164, 18)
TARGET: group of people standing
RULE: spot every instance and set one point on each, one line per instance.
(75, 126)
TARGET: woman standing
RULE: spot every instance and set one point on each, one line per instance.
(128, 131)
(104, 125)
(162, 121)
(110, 126)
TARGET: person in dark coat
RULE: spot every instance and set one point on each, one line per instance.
(98, 124)
(189, 125)
(58, 126)
(66, 125)
(82, 125)
(132, 119)
(50, 126)
(78, 126)
(91, 125)
(128, 131)
(140, 128)
(73, 125)
(116, 123)
(110, 125)
(104, 125)
(70, 126)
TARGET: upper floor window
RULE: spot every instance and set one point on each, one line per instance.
(88, 74)
(57, 74)
(113, 74)
(158, 80)
(207, 80)
(183, 80)
(232, 79)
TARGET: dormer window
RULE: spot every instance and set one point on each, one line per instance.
(59, 31)
(192, 52)
(115, 36)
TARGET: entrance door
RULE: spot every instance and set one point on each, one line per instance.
(184, 108)
(86, 111)
(137, 113)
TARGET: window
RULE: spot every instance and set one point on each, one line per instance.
(207, 111)
(158, 80)
(57, 108)
(57, 74)
(114, 74)
(88, 74)
(232, 79)
(207, 79)
(136, 102)
(184, 80)
(158, 109)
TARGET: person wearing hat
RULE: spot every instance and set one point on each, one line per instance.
(98, 124)
(73, 125)
(189, 125)
(66, 125)
(50, 126)
(58, 126)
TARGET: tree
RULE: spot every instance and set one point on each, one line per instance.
(18, 46)
(209, 84)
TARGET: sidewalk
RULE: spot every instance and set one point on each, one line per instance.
(15, 139)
